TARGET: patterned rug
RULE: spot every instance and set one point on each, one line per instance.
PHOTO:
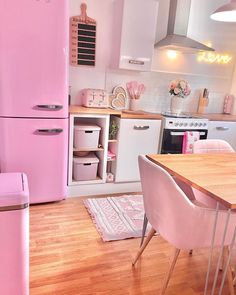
(117, 218)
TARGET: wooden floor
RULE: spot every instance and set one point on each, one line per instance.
(68, 257)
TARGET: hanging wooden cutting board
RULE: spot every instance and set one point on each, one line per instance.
(83, 39)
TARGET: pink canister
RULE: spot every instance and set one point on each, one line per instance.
(228, 104)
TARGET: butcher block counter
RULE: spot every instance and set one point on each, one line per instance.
(73, 109)
(218, 117)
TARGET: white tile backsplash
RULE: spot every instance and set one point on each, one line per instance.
(156, 97)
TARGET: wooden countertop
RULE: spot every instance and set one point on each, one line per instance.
(218, 117)
(73, 109)
(213, 174)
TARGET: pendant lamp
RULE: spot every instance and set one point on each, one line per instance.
(225, 13)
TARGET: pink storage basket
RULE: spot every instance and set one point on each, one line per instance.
(85, 168)
(86, 136)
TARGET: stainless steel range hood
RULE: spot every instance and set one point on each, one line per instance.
(177, 38)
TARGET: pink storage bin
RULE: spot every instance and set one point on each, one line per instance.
(85, 168)
(86, 136)
(14, 233)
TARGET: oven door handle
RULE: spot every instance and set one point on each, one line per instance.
(182, 133)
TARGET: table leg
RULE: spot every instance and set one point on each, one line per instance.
(227, 262)
(211, 250)
(221, 252)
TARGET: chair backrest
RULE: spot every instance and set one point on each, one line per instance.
(206, 146)
(167, 208)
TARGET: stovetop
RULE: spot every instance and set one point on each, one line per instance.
(180, 115)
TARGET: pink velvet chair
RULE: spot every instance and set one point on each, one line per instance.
(212, 146)
(178, 220)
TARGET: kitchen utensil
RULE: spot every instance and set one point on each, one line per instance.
(203, 101)
(135, 90)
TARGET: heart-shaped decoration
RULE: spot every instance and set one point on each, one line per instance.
(118, 98)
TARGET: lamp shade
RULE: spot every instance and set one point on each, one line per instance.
(226, 13)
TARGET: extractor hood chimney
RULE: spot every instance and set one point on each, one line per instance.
(176, 38)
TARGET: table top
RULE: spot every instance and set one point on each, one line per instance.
(213, 174)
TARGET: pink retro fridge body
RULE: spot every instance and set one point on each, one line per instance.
(34, 94)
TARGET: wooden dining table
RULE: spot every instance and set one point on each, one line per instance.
(215, 176)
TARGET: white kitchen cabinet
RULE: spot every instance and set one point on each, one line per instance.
(135, 137)
(134, 34)
(223, 130)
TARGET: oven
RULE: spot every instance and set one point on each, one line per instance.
(172, 140)
(173, 132)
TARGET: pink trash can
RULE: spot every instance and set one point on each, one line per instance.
(14, 233)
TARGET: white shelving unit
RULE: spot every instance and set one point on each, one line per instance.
(127, 145)
(101, 151)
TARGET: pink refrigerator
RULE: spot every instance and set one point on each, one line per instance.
(34, 94)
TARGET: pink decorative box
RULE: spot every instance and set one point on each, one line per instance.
(86, 136)
(85, 168)
(95, 98)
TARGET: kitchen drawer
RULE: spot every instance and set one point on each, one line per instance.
(223, 130)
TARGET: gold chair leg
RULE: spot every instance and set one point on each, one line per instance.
(146, 241)
(170, 270)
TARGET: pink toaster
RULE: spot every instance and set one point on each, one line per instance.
(95, 98)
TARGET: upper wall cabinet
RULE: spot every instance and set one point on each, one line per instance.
(134, 34)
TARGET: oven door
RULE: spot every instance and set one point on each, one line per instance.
(172, 140)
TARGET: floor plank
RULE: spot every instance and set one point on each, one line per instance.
(69, 258)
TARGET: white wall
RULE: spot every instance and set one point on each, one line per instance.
(233, 86)
(215, 77)
(93, 77)
(202, 29)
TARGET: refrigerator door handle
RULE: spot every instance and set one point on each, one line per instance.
(49, 131)
(50, 107)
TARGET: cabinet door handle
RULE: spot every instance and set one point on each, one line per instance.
(141, 127)
(49, 107)
(136, 62)
(49, 131)
(222, 128)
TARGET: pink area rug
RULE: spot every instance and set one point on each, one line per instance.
(117, 218)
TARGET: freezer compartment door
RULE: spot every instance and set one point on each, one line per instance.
(33, 58)
(37, 147)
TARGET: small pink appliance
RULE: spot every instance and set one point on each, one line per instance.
(94, 98)
(14, 232)
(34, 95)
